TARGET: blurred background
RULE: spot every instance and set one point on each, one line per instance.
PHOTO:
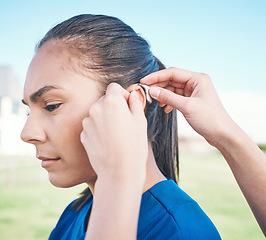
(225, 39)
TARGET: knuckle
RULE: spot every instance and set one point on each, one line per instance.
(204, 77)
(82, 137)
(94, 110)
(112, 85)
(85, 124)
(172, 71)
(111, 101)
(172, 68)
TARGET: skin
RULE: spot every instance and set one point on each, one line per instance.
(57, 128)
(71, 125)
(124, 178)
(193, 94)
(54, 122)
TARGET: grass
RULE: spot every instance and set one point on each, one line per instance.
(262, 147)
(208, 179)
(30, 206)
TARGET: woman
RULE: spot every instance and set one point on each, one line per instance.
(88, 130)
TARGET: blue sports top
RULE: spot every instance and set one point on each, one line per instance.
(166, 212)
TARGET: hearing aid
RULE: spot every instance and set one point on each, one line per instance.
(146, 89)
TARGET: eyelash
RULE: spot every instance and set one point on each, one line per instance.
(52, 107)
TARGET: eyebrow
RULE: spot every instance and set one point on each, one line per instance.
(34, 97)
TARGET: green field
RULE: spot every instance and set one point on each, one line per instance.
(30, 206)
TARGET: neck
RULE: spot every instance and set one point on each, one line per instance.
(153, 174)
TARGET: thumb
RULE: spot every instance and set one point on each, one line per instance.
(168, 97)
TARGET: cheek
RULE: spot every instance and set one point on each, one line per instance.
(69, 127)
(71, 130)
(71, 148)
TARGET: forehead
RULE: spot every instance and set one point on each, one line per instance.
(47, 61)
(54, 66)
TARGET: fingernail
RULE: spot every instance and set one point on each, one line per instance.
(155, 92)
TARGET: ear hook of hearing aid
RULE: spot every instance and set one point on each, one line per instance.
(146, 89)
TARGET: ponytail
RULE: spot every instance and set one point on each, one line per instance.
(165, 138)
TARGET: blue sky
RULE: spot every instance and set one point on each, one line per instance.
(226, 39)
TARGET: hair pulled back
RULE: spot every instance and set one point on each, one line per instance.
(113, 50)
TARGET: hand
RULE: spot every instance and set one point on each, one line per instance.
(115, 135)
(115, 138)
(193, 94)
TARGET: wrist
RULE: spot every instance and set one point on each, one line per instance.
(225, 133)
(121, 180)
(232, 142)
(116, 196)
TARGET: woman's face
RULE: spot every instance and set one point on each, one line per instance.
(59, 99)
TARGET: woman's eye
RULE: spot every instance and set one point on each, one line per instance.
(52, 107)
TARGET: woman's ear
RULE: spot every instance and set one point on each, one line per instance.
(139, 90)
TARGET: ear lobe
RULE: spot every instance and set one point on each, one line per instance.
(139, 90)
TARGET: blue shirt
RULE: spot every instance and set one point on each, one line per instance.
(166, 212)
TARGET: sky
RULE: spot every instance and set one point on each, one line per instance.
(225, 39)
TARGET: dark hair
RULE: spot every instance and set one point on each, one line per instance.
(113, 49)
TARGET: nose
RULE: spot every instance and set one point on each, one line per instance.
(33, 131)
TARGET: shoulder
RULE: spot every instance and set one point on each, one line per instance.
(67, 214)
(72, 224)
(167, 212)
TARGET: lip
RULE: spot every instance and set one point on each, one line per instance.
(47, 162)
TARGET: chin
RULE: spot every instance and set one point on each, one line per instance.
(62, 185)
(63, 182)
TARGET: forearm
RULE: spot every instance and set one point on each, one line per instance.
(115, 209)
(248, 164)
(193, 94)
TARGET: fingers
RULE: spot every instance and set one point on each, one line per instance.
(117, 97)
(175, 77)
(137, 109)
(135, 104)
(168, 109)
(171, 99)
(116, 89)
